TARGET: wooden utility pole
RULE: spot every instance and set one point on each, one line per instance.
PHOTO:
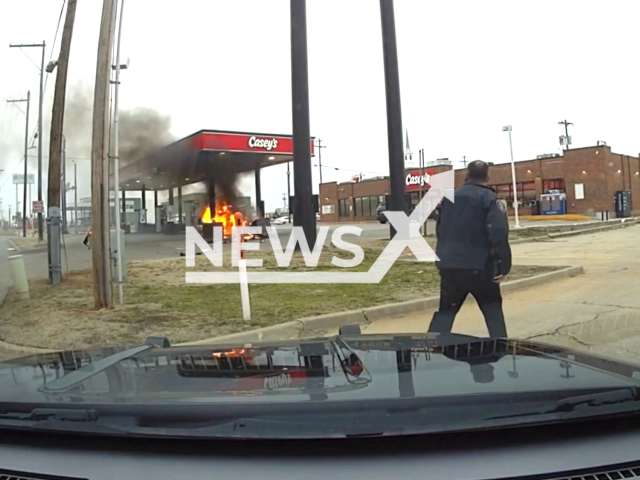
(101, 271)
(57, 115)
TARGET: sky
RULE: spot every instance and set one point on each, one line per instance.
(467, 69)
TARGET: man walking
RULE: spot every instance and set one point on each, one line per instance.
(473, 251)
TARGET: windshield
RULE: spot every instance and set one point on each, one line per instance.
(276, 211)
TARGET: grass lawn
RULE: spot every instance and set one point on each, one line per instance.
(158, 302)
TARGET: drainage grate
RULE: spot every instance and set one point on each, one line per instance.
(616, 474)
(611, 472)
(13, 475)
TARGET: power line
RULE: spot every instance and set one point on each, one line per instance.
(348, 169)
(30, 59)
(55, 38)
(46, 79)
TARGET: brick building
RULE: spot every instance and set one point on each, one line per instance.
(594, 173)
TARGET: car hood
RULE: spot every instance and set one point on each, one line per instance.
(361, 368)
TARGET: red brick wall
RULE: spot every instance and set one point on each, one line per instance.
(591, 161)
(626, 179)
(328, 195)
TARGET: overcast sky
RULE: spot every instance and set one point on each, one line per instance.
(467, 68)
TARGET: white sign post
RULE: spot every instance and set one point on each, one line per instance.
(244, 281)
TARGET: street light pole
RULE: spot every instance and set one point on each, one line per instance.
(40, 101)
(65, 230)
(320, 147)
(116, 162)
(75, 196)
(513, 177)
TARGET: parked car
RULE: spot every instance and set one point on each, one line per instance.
(383, 219)
(379, 213)
(280, 220)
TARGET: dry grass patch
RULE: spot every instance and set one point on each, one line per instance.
(158, 302)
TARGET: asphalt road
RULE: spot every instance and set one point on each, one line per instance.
(157, 246)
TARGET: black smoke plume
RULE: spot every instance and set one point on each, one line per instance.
(142, 130)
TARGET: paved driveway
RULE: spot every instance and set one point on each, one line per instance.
(598, 310)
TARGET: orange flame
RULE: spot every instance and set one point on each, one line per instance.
(224, 216)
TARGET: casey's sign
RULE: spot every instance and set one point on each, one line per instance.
(417, 179)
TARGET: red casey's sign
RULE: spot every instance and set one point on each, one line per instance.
(239, 142)
(417, 179)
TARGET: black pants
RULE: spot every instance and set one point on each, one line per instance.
(455, 285)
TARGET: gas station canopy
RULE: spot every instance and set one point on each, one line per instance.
(193, 158)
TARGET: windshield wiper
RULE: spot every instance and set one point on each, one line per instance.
(88, 371)
(605, 403)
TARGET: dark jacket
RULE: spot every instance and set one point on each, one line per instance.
(473, 232)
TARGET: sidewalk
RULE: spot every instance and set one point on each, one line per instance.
(5, 272)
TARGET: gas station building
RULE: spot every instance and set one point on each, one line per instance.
(205, 156)
(588, 177)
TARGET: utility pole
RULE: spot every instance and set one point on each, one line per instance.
(57, 147)
(464, 160)
(304, 215)
(40, 100)
(26, 150)
(320, 147)
(99, 162)
(566, 131)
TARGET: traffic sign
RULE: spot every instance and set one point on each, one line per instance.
(18, 179)
(38, 206)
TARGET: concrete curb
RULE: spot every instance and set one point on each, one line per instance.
(320, 324)
(24, 350)
(13, 245)
(573, 233)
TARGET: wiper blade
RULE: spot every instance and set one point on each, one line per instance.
(60, 414)
(78, 420)
(605, 398)
(78, 376)
(613, 401)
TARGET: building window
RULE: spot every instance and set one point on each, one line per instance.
(366, 207)
(555, 184)
(528, 190)
(374, 204)
(342, 206)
